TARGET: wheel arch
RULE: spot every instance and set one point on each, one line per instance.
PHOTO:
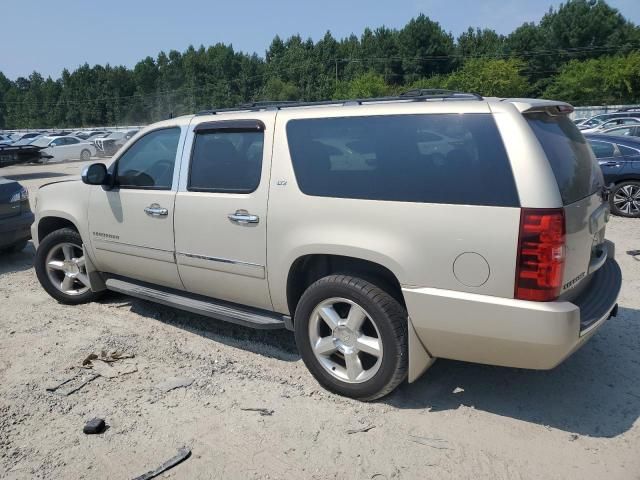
(51, 223)
(626, 178)
(306, 269)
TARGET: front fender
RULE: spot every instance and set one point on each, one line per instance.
(66, 200)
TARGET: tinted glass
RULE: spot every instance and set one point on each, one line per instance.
(72, 141)
(626, 131)
(573, 164)
(443, 158)
(628, 152)
(602, 149)
(150, 161)
(228, 162)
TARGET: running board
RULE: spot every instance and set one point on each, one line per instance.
(246, 316)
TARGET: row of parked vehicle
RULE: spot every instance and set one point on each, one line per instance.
(61, 146)
(615, 140)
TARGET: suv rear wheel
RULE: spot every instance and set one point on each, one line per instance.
(625, 199)
(352, 337)
(61, 268)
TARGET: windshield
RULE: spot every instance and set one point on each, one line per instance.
(593, 122)
(571, 159)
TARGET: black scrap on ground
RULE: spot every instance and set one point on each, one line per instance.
(182, 455)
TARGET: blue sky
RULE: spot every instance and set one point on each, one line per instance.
(68, 33)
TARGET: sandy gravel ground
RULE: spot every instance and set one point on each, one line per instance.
(459, 421)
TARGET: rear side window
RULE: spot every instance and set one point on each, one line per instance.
(602, 149)
(437, 158)
(577, 173)
(628, 152)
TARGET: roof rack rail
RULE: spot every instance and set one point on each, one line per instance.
(418, 95)
(439, 93)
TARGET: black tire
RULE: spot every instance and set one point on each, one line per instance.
(51, 241)
(16, 247)
(634, 208)
(390, 320)
(85, 155)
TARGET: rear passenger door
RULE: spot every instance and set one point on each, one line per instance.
(221, 209)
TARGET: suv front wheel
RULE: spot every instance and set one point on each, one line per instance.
(352, 337)
(61, 268)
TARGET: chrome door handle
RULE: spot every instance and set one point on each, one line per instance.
(156, 210)
(611, 164)
(243, 217)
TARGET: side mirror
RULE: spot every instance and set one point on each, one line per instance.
(95, 174)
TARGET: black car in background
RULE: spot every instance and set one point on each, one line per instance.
(15, 216)
(619, 159)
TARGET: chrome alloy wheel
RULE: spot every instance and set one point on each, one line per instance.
(627, 199)
(345, 340)
(66, 269)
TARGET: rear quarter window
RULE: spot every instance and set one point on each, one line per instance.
(433, 158)
(577, 173)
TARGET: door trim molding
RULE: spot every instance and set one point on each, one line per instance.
(219, 259)
(228, 265)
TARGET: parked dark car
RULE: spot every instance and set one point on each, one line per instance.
(27, 136)
(108, 145)
(629, 109)
(619, 159)
(93, 135)
(15, 216)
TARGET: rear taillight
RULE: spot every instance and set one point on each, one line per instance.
(541, 254)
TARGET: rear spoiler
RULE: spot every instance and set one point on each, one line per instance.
(551, 107)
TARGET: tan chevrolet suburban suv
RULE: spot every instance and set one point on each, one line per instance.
(385, 232)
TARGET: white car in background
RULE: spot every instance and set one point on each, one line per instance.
(62, 149)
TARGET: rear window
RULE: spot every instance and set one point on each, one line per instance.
(437, 158)
(573, 164)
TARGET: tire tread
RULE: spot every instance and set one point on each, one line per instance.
(394, 312)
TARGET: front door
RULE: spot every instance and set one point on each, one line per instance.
(131, 225)
(221, 209)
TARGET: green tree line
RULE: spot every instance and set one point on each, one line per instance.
(579, 53)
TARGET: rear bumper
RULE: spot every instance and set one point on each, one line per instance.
(15, 229)
(507, 332)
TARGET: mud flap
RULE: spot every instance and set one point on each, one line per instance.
(419, 358)
(96, 282)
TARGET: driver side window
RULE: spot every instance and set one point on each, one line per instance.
(149, 163)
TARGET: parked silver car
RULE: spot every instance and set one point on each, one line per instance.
(611, 123)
